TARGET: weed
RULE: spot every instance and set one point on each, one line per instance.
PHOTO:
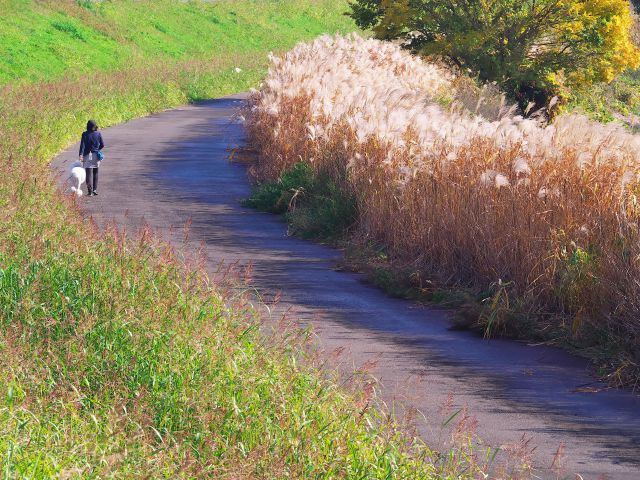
(280, 196)
(313, 204)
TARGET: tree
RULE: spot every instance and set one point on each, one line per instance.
(529, 46)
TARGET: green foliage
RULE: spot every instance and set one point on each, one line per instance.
(531, 48)
(313, 205)
(277, 197)
(578, 274)
(70, 29)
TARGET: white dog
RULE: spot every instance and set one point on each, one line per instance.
(77, 176)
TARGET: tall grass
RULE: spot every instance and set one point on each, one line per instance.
(456, 183)
(119, 360)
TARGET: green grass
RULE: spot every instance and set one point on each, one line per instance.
(118, 360)
(55, 39)
(119, 364)
(313, 205)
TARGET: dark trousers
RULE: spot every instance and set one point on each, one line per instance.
(92, 179)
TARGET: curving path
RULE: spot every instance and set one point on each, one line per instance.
(171, 168)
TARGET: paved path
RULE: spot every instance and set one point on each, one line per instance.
(171, 168)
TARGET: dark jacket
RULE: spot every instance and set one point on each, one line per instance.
(91, 142)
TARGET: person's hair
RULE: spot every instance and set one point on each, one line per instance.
(92, 126)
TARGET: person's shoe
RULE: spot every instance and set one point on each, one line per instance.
(89, 194)
(95, 192)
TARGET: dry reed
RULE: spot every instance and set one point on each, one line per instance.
(457, 183)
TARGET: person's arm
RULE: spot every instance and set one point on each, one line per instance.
(81, 147)
(101, 142)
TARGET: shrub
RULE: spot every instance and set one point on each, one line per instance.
(276, 197)
(315, 205)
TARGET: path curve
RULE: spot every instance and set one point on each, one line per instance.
(171, 168)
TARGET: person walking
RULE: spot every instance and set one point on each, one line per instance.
(91, 145)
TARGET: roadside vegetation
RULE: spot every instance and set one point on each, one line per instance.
(117, 359)
(313, 204)
(536, 223)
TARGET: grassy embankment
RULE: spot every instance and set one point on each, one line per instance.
(116, 360)
(529, 230)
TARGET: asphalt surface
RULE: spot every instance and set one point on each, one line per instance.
(171, 169)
